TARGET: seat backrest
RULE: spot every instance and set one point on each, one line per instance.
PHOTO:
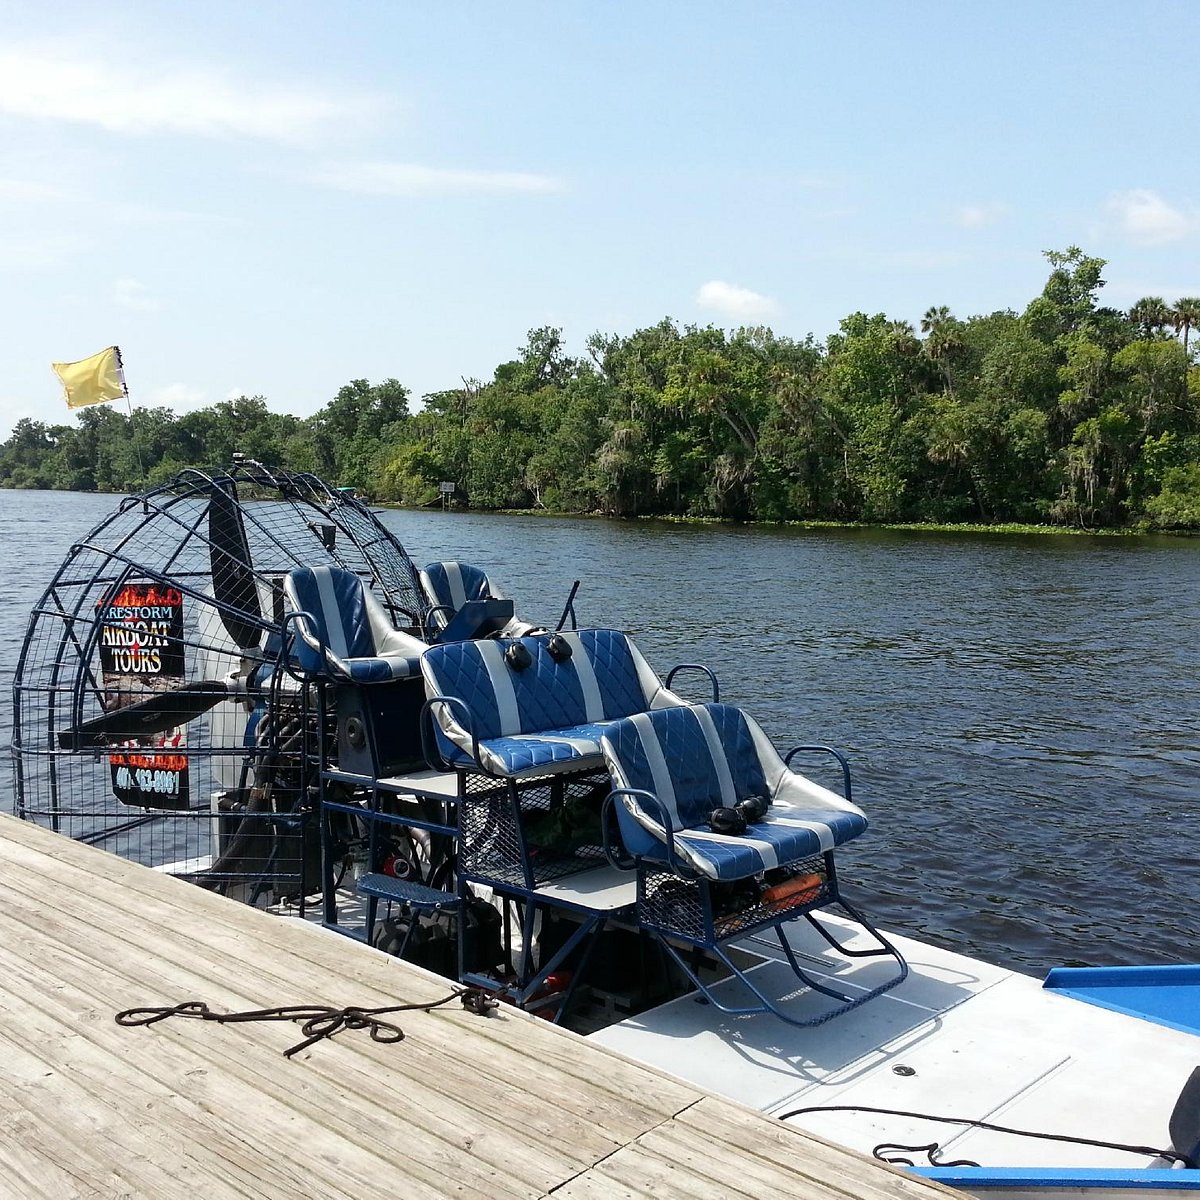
(692, 758)
(605, 677)
(344, 620)
(449, 585)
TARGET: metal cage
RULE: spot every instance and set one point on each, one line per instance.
(169, 613)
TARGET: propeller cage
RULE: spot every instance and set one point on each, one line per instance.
(174, 603)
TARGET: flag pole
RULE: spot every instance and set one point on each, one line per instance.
(133, 431)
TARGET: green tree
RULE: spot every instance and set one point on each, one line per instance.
(1151, 314)
(351, 434)
(1068, 301)
(1185, 317)
(1155, 386)
(942, 340)
(876, 376)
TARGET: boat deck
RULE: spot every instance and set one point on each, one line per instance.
(959, 1038)
(504, 1106)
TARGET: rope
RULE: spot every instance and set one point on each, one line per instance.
(934, 1148)
(316, 1021)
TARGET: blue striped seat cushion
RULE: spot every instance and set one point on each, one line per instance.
(344, 631)
(381, 669)
(449, 585)
(693, 759)
(546, 718)
(573, 748)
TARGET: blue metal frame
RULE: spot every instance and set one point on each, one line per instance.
(524, 991)
(712, 677)
(847, 787)
(1069, 1179)
(714, 944)
(1164, 995)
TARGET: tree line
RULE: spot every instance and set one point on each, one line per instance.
(1068, 413)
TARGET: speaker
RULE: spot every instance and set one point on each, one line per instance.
(379, 727)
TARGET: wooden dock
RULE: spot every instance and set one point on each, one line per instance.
(503, 1106)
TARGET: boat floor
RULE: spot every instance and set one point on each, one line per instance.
(957, 1038)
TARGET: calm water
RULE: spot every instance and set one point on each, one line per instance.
(1020, 712)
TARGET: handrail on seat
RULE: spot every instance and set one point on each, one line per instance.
(433, 756)
(285, 657)
(847, 787)
(712, 677)
(626, 861)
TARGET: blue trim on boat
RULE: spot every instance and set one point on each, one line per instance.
(973, 1178)
(1167, 996)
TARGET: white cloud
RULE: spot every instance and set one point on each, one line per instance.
(413, 179)
(977, 216)
(179, 396)
(150, 97)
(1146, 218)
(734, 301)
(147, 214)
(26, 251)
(134, 295)
(29, 190)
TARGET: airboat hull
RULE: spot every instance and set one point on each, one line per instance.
(960, 1038)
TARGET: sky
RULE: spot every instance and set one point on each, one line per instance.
(276, 198)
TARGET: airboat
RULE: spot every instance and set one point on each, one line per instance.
(241, 678)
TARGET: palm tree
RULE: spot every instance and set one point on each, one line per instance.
(904, 337)
(935, 315)
(942, 339)
(1152, 313)
(1184, 316)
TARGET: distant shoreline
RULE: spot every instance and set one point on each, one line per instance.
(967, 527)
(1006, 527)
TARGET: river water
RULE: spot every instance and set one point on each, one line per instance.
(1020, 712)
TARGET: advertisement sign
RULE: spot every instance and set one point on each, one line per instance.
(141, 651)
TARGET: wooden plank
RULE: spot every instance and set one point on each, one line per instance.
(76, 1121)
(371, 1103)
(592, 1185)
(501, 1107)
(717, 1150)
(819, 1162)
(167, 964)
(618, 1104)
(491, 1084)
(235, 1106)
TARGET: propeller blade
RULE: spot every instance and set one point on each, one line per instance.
(156, 714)
(234, 587)
(1184, 1126)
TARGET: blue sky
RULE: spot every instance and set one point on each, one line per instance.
(275, 198)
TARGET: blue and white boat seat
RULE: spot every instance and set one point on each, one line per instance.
(453, 586)
(670, 769)
(343, 632)
(694, 759)
(544, 719)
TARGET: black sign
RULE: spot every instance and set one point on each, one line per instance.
(141, 652)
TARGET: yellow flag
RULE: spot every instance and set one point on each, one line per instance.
(93, 380)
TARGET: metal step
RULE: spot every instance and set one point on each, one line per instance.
(401, 891)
